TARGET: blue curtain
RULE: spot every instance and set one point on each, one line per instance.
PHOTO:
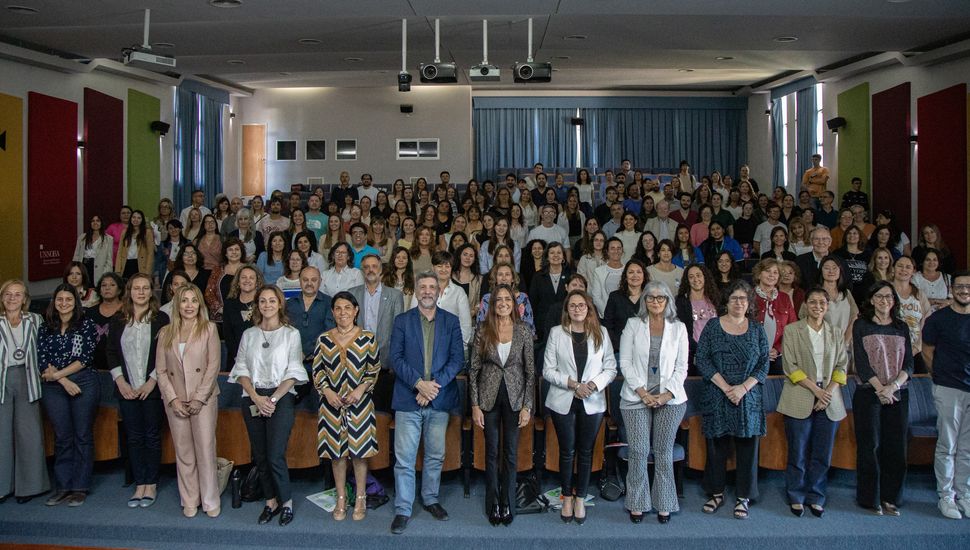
(658, 139)
(520, 137)
(806, 128)
(777, 143)
(198, 142)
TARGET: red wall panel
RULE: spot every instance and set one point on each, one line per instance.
(104, 155)
(942, 169)
(892, 184)
(51, 185)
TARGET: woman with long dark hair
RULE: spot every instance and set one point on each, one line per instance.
(93, 249)
(884, 362)
(579, 365)
(132, 345)
(548, 286)
(502, 394)
(71, 393)
(136, 253)
(625, 302)
(696, 304)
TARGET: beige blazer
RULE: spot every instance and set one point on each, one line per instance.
(146, 256)
(190, 376)
(799, 363)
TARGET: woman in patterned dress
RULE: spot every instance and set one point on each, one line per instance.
(345, 369)
(732, 357)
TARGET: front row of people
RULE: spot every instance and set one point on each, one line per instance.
(170, 365)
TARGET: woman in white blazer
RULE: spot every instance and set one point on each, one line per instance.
(94, 249)
(579, 365)
(653, 359)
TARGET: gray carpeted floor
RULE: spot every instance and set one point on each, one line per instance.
(105, 521)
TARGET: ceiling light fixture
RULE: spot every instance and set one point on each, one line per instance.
(309, 41)
(23, 10)
(562, 57)
(225, 3)
(785, 39)
(236, 62)
(353, 59)
(163, 45)
(575, 37)
(283, 73)
(685, 70)
(723, 58)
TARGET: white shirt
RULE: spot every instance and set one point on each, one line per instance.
(606, 279)
(550, 234)
(762, 235)
(371, 192)
(454, 300)
(817, 338)
(269, 366)
(136, 344)
(503, 351)
(335, 281)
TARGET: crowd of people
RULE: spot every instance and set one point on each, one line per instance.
(366, 299)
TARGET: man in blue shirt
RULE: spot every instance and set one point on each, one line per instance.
(310, 313)
(946, 350)
(358, 242)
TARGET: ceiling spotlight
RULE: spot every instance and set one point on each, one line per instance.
(785, 39)
(308, 41)
(236, 62)
(562, 57)
(723, 58)
(23, 10)
(353, 59)
(225, 3)
(575, 37)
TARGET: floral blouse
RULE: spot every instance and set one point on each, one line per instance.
(60, 350)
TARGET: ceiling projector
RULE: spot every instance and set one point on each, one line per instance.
(484, 73)
(143, 59)
(438, 73)
(532, 72)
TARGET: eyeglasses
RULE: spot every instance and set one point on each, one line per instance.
(738, 299)
(961, 287)
(883, 297)
(819, 303)
(655, 299)
(578, 306)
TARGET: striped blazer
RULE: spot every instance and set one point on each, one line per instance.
(799, 363)
(32, 322)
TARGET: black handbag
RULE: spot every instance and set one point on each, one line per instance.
(252, 489)
(528, 496)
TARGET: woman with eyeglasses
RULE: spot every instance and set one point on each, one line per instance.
(579, 365)
(653, 359)
(884, 362)
(815, 364)
(732, 357)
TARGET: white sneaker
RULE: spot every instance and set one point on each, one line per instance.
(964, 504)
(949, 508)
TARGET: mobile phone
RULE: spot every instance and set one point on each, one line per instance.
(254, 410)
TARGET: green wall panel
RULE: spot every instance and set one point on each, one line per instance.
(144, 152)
(853, 150)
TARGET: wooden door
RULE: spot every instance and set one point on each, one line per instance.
(253, 159)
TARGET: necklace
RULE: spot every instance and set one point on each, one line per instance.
(19, 353)
(345, 332)
(265, 340)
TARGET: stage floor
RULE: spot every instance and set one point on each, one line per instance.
(105, 521)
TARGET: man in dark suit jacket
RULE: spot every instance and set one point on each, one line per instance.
(427, 354)
(389, 304)
(808, 262)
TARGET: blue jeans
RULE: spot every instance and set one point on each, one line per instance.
(73, 421)
(408, 426)
(810, 442)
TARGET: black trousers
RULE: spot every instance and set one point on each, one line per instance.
(143, 427)
(746, 474)
(268, 437)
(881, 432)
(501, 427)
(576, 432)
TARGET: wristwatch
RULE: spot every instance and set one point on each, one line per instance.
(272, 400)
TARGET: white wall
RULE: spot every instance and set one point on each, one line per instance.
(19, 79)
(759, 140)
(923, 80)
(372, 116)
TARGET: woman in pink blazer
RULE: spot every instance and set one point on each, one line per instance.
(187, 363)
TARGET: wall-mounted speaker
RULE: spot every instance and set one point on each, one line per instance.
(160, 127)
(407, 108)
(835, 123)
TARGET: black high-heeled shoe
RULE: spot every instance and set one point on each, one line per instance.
(506, 515)
(495, 515)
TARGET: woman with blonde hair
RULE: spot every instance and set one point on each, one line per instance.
(187, 363)
(23, 469)
(131, 351)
